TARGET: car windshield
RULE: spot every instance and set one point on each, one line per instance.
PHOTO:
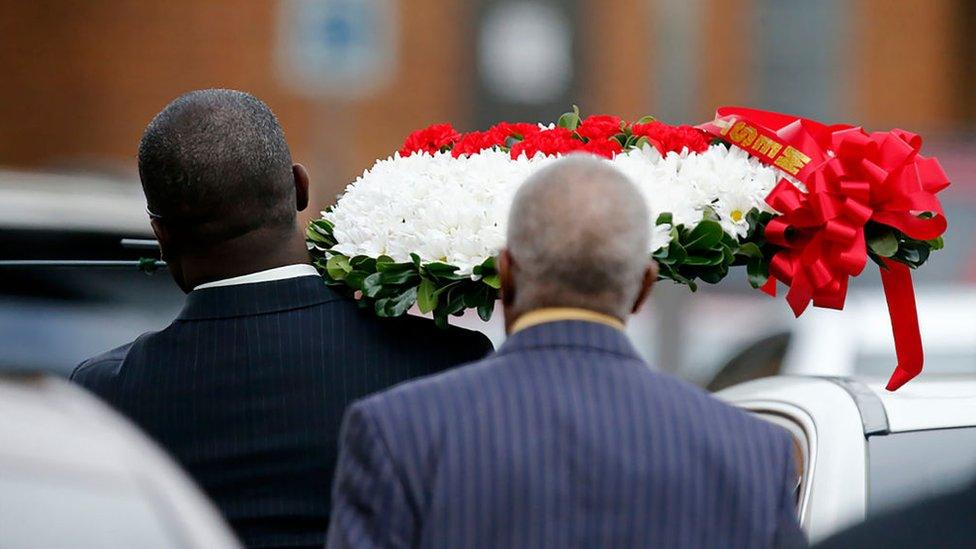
(919, 464)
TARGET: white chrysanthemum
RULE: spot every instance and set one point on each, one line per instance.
(441, 208)
(455, 210)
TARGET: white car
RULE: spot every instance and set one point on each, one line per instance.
(75, 474)
(862, 449)
(858, 342)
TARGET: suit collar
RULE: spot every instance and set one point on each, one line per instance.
(255, 299)
(577, 334)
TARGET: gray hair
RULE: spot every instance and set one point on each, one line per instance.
(578, 234)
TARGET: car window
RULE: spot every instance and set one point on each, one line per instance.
(60, 511)
(919, 464)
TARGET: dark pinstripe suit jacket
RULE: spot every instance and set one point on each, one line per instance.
(564, 438)
(246, 389)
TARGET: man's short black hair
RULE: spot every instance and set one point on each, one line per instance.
(214, 164)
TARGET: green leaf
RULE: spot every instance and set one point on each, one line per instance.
(391, 267)
(398, 278)
(363, 263)
(676, 253)
(645, 120)
(485, 310)
(884, 244)
(936, 243)
(758, 272)
(708, 260)
(713, 276)
(570, 120)
(373, 284)
(493, 280)
(750, 250)
(707, 234)
(443, 270)
(338, 267)
(319, 234)
(472, 298)
(487, 267)
(664, 219)
(455, 302)
(401, 303)
(355, 279)
(426, 295)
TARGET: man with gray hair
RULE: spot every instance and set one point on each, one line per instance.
(564, 437)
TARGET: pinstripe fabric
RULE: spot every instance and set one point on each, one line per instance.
(247, 387)
(564, 438)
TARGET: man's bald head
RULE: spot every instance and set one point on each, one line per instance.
(214, 164)
(578, 237)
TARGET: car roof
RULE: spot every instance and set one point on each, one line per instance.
(926, 402)
(72, 201)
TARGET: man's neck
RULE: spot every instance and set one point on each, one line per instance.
(254, 252)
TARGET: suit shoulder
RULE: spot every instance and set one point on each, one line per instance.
(106, 363)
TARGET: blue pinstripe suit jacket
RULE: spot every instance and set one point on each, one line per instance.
(563, 438)
(246, 389)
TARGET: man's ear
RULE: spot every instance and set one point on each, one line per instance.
(650, 277)
(301, 186)
(505, 266)
(169, 253)
(162, 237)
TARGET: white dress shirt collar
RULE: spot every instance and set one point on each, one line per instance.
(278, 273)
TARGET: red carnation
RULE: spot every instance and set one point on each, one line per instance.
(431, 139)
(548, 142)
(474, 142)
(503, 130)
(672, 138)
(599, 127)
(603, 147)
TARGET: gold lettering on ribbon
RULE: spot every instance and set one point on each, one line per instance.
(791, 161)
(766, 147)
(743, 134)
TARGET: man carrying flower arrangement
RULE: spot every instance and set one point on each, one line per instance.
(247, 386)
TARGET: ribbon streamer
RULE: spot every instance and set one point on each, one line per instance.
(851, 177)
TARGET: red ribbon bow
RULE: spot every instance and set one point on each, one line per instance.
(852, 177)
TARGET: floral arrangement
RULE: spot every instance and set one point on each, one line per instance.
(787, 198)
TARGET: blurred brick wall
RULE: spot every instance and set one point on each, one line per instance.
(79, 80)
(618, 58)
(905, 66)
